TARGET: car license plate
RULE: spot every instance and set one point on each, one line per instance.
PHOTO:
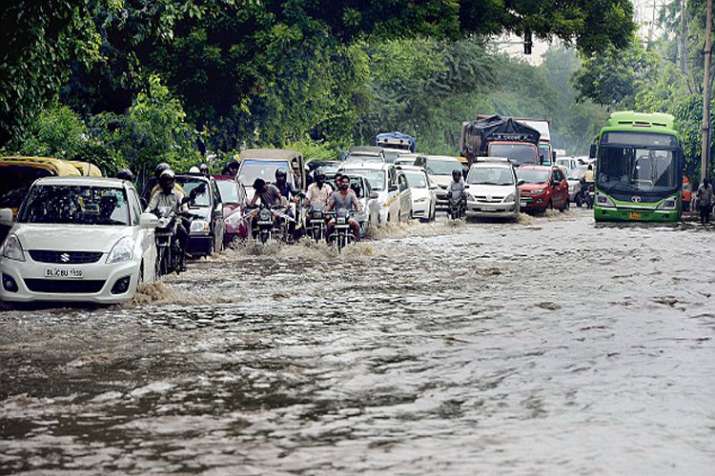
(63, 273)
(634, 216)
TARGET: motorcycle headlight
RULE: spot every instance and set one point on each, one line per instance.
(12, 249)
(199, 226)
(265, 215)
(122, 251)
(604, 201)
(509, 198)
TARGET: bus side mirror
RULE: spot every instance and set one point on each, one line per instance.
(592, 152)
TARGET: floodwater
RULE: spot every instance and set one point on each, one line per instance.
(550, 346)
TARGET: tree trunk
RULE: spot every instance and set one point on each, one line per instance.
(705, 150)
(684, 37)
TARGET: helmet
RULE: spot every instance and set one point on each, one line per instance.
(259, 184)
(194, 170)
(167, 174)
(281, 174)
(456, 173)
(125, 174)
(204, 169)
(160, 168)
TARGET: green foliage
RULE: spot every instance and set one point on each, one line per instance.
(56, 132)
(312, 150)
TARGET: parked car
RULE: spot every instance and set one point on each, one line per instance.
(77, 239)
(206, 233)
(543, 187)
(234, 200)
(368, 199)
(574, 178)
(439, 169)
(422, 191)
(393, 198)
(493, 190)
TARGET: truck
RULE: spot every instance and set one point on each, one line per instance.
(496, 136)
(639, 168)
(397, 141)
(547, 153)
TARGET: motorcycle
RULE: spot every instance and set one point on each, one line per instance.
(585, 195)
(456, 206)
(263, 224)
(590, 196)
(315, 226)
(342, 234)
(169, 255)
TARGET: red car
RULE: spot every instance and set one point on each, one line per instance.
(542, 187)
(234, 198)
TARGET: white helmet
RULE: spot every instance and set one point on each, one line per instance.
(194, 170)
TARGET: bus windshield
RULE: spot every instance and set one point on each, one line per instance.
(633, 169)
(519, 154)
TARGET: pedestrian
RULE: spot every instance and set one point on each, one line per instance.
(705, 200)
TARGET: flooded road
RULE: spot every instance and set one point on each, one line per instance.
(551, 346)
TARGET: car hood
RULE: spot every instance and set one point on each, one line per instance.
(491, 190)
(419, 193)
(441, 180)
(70, 237)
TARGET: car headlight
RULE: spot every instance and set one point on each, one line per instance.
(668, 204)
(509, 198)
(604, 201)
(12, 249)
(199, 226)
(122, 251)
(538, 191)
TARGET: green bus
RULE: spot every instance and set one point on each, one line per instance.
(639, 169)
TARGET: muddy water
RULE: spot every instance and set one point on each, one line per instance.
(550, 346)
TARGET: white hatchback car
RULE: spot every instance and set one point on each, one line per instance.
(78, 239)
(393, 194)
(492, 190)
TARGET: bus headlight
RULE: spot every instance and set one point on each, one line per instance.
(668, 204)
(604, 201)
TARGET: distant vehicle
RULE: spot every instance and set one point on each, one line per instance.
(639, 172)
(405, 160)
(439, 169)
(393, 195)
(542, 187)
(492, 190)
(423, 194)
(574, 178)
(234, 200)
(568, 163)
(81, 239)
(206, 233)
(547, 153)
(263, 163)
(397, 141)
(17, 175)
(327, 167)
(498, 136)
(368, 199)
(366, 153)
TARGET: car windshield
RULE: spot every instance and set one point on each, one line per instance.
(631, 169)
(533, 175)
(202, 193)
(544, 154)
(76, 205)
(490, 176)
(442, 167)
(518, 153)
(228, 191)
(415, 179)
(251, 170)
(376, 178)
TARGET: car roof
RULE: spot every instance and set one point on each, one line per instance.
(268, 154)
(366, 165)
(536, 167)
(366, 149)
(82, 181)
(441, 157)
(411, 168)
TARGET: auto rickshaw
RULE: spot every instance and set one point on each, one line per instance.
(17, 175)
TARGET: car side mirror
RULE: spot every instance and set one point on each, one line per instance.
(147, 220)
(374, 195)
(6, 217)
(592, 151)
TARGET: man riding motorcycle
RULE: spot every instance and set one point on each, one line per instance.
(319, 192)
(161, 168)
(456, 189)
(344, 199)
(231, 168)
(168, 198)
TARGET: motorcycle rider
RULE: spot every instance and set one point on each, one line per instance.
(344, 198)
(161, 168)
(319, 192)
(204, 169)
(456, 187)
(269, 195)
(125, 174)
(586, 185)
(231, 168)
(168, 197)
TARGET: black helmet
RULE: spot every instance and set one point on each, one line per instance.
(160, 168)
(456, 173)
(125, 174)
(280, 173)
(259, 184)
